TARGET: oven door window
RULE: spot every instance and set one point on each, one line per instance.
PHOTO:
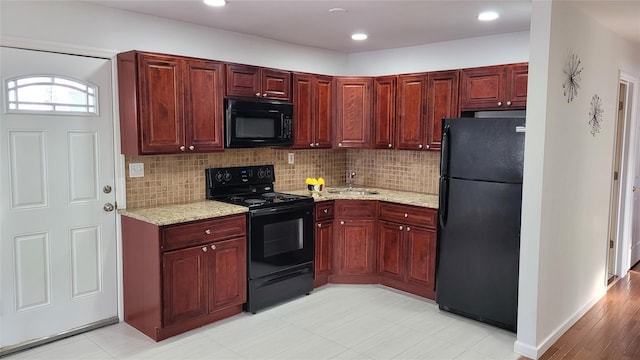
(279, 241)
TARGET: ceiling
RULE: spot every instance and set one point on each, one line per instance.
(389, 23)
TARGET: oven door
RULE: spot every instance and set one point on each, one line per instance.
(279, 238)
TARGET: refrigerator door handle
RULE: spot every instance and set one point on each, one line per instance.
(444, 166)
(443, 204)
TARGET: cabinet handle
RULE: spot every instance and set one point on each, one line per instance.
(258, 94)
(208, 232)
(192, 148)
(420, 146)
(406, 215)
(408, 228)
(341, 222)
(390, 146)
(400, 227)
(182, 148)
(213, 247)
(204, 249)
(499, 103)
(326, 211)
(508, 103)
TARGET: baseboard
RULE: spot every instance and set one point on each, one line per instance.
(535, 352)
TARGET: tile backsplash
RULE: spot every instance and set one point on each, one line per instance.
(174, 179)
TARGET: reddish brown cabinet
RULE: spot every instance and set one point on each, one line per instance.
(324, 243)
(257, 82)
(407, 248)
(442, 102)
(411, 112)
(179, 277)
(313, 109)
(355, 241)
(169, 104)
(353, 112)
(384, 112)
(499, 87)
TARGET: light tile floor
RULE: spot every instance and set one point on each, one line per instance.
(334, 322)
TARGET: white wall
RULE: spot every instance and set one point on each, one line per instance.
(465, 53)
(567, 173)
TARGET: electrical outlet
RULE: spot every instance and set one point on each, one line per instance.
(136, 170)
(290, 158)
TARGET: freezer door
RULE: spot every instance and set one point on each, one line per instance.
(478, 251)
(490, 149)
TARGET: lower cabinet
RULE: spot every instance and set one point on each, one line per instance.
(180, 277)
(323, 243)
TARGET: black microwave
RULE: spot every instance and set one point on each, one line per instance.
(253, 123)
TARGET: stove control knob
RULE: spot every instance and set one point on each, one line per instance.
(268, 173)
(227, 176)
(260, 173)
(219, 176)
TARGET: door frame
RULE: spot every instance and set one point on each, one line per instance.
(630, 146)
(119, 173)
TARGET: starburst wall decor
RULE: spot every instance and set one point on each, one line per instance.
(595, 114)
(573, 76)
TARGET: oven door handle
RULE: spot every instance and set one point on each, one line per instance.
(280, 209)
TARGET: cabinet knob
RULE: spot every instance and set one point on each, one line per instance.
(499, 103)
(208, 232)
(204, 249)
(408, 228)
(319, 225)
(420, 146)
(400, 227)
(312, 145)
(192, 148)
(213, 247)
(341, 222)
(390, 145)
(182, 148)
(317, 144)
(406, 215)
(326, 211)
(339, 144)
(508, 103)
(428, 146)
(258, 94)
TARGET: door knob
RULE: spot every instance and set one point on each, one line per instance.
(108, 207)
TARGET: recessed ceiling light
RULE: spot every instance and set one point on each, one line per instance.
(488, 16)
(215, 2)
(359, 36)
(337, 10)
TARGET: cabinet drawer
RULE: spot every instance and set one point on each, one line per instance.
(356, 209)
(324, 211)
(206, 231)
(409, 215)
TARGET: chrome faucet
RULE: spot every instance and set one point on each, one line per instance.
(352, 177)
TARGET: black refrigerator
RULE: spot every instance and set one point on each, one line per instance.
(479, 218)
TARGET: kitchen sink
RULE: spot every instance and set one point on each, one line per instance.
(354, 192)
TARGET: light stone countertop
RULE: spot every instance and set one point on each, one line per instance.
(400, 197)
(181, 213)
(206, 209)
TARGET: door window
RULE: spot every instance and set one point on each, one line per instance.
(51, 94)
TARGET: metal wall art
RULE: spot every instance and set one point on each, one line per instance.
(573, 76)
(595, 114)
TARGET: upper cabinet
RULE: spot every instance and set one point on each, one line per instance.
(169, 104)
(353, 112)
(257, 82)
(411, 112)
(384, 112)
(442, 102)
(500, 87)
(313, 107)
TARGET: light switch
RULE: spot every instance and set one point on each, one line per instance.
(290, 158)
(136, 170)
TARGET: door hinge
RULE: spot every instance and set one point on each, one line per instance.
(620, 105)
(615, 175)
(610, 244)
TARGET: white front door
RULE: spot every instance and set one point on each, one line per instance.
(58, 244)
(635, 215)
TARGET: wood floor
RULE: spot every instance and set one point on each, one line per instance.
(610, 330)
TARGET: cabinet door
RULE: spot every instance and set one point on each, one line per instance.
(353, 112)
(161, 104)
(324, 253)
(411, 112)
(303, 119)
(323, 111)
(243, 80)
(517, 78)
(442, 103)
(421, 256)
(482, 88)
(276, 84)
(384, 112)
(184, 280)
(204, 113)
(391, 262)
(356, 247)
(227, 273)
